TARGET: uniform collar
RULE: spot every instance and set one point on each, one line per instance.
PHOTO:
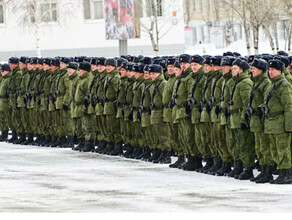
(279, 78)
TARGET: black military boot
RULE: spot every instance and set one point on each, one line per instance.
(237, 169)
(267, 175)
(159, 156)
(46, 141)
(180, 160)
(263, 168)
(129, 150)
(217, 164)
(101, 147)
(166, 159)
(4, 136)
(89, 145)
(80, 145)
(13, 138)
(69, 143)
(117, 150)
(21, 139)
(226, 168)
(62, 141)
(53, 142)
(153, 154)
(36, 141)
(246, 174)
(29, 139)
(208, 165)
(110, 146)
(140, 156)
(76, 140)
(96, 143)
(147, 154)
(283, 178)
(139, 150)
(156, 155)
(57, 142)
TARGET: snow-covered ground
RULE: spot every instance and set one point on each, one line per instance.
(37, 179)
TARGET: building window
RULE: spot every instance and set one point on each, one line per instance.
(49, 11)
(93, 9)
(156, 6)
(1, 12)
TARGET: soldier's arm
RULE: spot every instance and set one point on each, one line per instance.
(286, 101)
(67, 96)
(245, 94)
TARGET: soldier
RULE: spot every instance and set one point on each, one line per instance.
(88, 125)
(45, 86)
(13, 85)
(195, 95)
(244, 139)
(72, 71)
(205, 117)
(144, 114)
(21, 99)
(38, 86)
(185, 128)
(119, 106)
(98, 93)
(62, 94)
(227, 152)
(161, 134)
(108, 101)
(4, 101)
(261, 83)
(137, 89)
(53, 111)
(277, 111)
(167, 113)
(126, 112)
(32, 67)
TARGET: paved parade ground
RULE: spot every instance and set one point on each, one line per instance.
(38, 179)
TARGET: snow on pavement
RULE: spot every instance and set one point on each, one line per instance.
(38, 179)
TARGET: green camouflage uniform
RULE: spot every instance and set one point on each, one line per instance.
(4, 102)
(110, 94)
(278, 122)
(262, 140)
(161, 134)
(244, 138)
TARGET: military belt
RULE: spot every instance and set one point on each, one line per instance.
(79, 103)
(158, 108)
(146, 110)
(274, 114)
(2, 97)
(235, 111)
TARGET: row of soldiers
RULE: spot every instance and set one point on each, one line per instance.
(225, 110)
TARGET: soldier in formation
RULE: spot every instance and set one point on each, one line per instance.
(219, 115)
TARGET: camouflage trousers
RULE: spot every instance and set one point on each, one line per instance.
(25, 122)
(4, 118)
(149, 137)
(113, 128)
(161, 136)
(88, 126)
(280, 145)
(245, 145)
(262, 148)
(101, 128)
(67, 123)
(78, 128)
(220, 135)
(202, 138)
(230, 142)
(14, 122)
(173, 132)
(138, 135)
(186, 137)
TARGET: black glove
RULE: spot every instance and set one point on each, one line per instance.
(260, 112)
(218, 109)
(244, 126)
(86, 101)
(65, 107)
(188, 109)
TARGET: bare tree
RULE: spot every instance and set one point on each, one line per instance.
(155, 24)
(32, 14)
